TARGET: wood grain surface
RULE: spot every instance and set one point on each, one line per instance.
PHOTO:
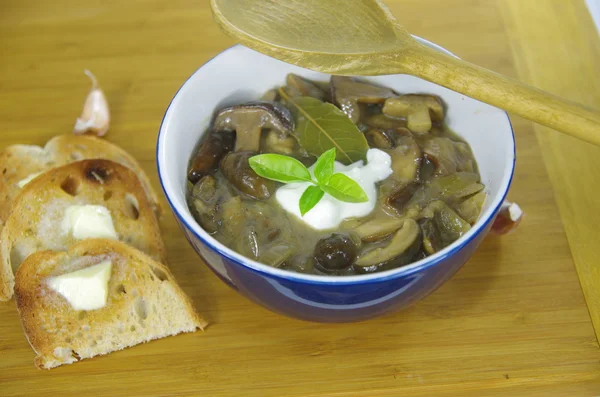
(513, 321)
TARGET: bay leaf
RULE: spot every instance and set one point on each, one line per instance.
(321, 126)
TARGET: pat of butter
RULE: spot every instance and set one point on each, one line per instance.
(85, 289)
(27, 179)
(89, 221)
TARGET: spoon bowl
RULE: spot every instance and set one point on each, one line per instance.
(362, 37)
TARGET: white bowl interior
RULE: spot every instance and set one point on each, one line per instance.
(240, 74)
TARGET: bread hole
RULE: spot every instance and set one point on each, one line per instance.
(68, 340)
(121, 289)
(71, 185)
(80, 146)
(99, 337)
(132, 328)
(132, 207)
(134, 292)
(97, 173)
(85, 328)
(107, 195)
(121, 327)
(141, 308)
(160, 274)
(4, 171)
(81, 315)
(79, 335)
(76, 156)
(93, 343)
(28, 232)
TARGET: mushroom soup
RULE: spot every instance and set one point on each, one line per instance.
(338, 178)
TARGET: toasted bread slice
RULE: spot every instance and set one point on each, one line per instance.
(144, 303)
(18, 162)
(39, 209)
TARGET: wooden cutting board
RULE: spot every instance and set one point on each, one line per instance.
(513, 321)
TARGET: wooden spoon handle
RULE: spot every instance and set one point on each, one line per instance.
(505, 93)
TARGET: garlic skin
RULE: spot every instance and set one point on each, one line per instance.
(508, 218)
(95, 117)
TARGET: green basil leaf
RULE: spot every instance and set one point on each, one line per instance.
(345, 189)
(321, 126)
(311, 196)
(324, 166)
(279, 168)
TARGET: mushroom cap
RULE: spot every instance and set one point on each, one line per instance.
(347, 93)
(299, 86)
(264, 114)
(401, 243)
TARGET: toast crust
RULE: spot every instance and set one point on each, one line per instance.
(17, 162)
(38, 210)
(144, 303)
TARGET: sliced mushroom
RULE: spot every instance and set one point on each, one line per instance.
(232, 213)
(400, 250)
(450, 225)
(470, 208)
(299, 86)
(431, 208)
(419, 110)
(236, 169)
(451, 189)
(381, 120)
(427, 170)
(204, 200)
(400, 197)
(249, 119)
(406, 159)
(382, 226)
(378, 228)
(270, 96)
(347, 93)
(247, 242)
(448, 156)
(432, 241)
(277, 254)
(214, 147)
(276, 142)
(380, 138)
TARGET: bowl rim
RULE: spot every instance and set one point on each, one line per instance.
(403, 271)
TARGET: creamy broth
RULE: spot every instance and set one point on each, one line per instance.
(431, 198)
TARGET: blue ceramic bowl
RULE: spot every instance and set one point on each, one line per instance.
(239, 74)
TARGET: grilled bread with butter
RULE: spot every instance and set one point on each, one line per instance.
(142, 302)
(21, 163)
(83, 199)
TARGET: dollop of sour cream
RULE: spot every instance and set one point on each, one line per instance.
(330, 212)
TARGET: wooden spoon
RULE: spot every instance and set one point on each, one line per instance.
(362, 37)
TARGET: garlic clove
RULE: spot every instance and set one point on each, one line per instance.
(95, 117)
(508, 218)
